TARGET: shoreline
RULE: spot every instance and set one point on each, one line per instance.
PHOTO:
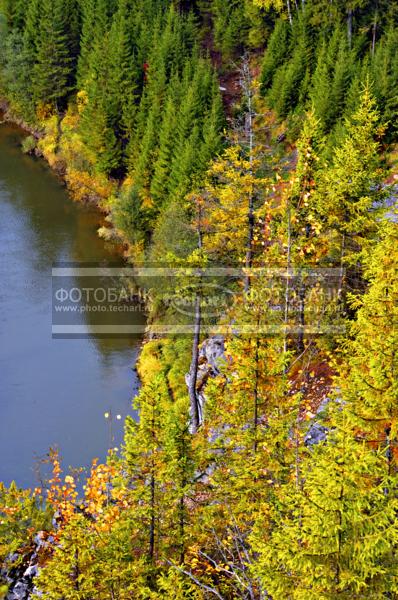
(121, 246)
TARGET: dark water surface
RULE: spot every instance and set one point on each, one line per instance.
(52, 391)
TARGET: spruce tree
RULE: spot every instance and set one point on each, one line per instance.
(123, 79)
(370, 384)
(53, 66)
(321, 90)
(342, 74)
(276, 53)
(89, 15)
(31, 31)
(350, 192)
(162, 165)
(145, 452)
(333, 534)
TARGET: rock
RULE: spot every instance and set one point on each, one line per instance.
(20, 591)
(211, 353)
(39, 539)
(211, 357)
(20, 570)
(12, 558)
(31, 572)
(316, 434)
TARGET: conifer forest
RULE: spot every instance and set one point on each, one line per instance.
(257, 139)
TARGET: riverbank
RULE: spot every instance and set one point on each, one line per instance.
(54, 391)
(51, 143)
(170, 357)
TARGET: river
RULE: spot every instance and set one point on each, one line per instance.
(53, 392)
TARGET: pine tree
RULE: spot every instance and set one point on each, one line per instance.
(16, 76)
(143, 168)
(179, 476)
(383, 69)
(370, 384)
(351, 191)
(97, 124)
(287, 84)
(53, 68)
(231, 26)
(275, 55)
(342, 73)
(162, 165)
(336, 533)
(321, 90)
(145, 458)
(31, 31)
(123, 73)
(212, 130)
(14, 11)
(333, 534)
(89, 15)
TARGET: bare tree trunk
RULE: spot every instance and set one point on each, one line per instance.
(255, 392)
(374, 33)
(193, 371)
(349, 26)
(246, 84)
(300, 337)
(289, 12)
(182, 528)
(249, 250)
(287, 286)
(341, 274)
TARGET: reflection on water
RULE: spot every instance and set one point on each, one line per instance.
(52, 391)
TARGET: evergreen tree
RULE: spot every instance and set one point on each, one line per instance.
(334, 533)
(145, 458)
(97, 124)
(14, 12)
(351, 191)
(288, 83)
(320, 95)
(31, 31)
(16, 76)
(123, 72)
(162, 166)
(89, 19)
(384, 71)
(276, 53)
(370, 384)
(342, 74)
(231, 26)
(53, 66)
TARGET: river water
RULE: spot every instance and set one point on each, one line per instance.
(53, 392)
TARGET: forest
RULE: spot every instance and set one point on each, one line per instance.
(259, 136)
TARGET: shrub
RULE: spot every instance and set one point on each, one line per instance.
(29, 145)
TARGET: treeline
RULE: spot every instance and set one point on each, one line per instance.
(321, 62)
(122, 89)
